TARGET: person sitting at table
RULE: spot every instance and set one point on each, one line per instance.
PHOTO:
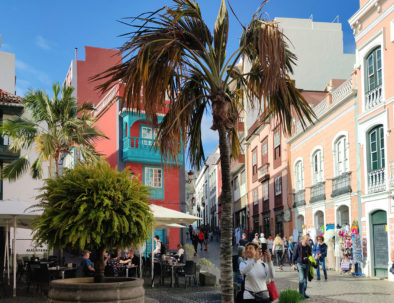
(130, 259)
(87, 264)
(180, 253)
(114, 267)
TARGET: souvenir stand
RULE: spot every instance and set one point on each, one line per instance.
(356, 249)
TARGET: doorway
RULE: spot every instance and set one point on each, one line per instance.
(379, 243)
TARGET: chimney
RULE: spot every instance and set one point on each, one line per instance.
(76, 53)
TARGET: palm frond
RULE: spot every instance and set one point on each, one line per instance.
(16, 168)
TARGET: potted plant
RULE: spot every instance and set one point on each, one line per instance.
(94, 207)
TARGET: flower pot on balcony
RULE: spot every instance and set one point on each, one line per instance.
(125, 290)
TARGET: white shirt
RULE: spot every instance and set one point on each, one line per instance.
(256, 275)
(180, 252)
(158, 248)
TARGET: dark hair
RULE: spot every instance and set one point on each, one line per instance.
(322, 238)
(157, 237)
(251, 244)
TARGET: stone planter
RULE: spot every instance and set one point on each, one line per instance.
(113, 290)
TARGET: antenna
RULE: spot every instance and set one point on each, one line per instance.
(311, 17)
(336, 19)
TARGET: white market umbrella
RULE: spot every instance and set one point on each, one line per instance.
(20, 216)
(168, 218)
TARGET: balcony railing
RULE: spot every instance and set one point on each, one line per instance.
(341, 185)
(391, 174)
(373, 98)
(318, 192)
(263, 172)
(299, 198)
(376, 181)
(136, 149)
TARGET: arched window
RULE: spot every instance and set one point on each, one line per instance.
(317, 167)
(341, 154)
(374, 69)
(299, 175)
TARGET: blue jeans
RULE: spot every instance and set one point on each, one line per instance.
(302, 277)
(323, 267)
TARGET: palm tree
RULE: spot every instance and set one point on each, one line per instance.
(171, 54)
(56, 125)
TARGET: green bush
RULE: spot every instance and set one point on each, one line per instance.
(94, 207)
(290, 296)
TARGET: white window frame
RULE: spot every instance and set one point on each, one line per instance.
(299, 174)
(265, 186)
(317, 168)
(150, 180)
(278, 186)
(255, 196)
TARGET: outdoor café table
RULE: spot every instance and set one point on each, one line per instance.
(56, 270)
(173, 267)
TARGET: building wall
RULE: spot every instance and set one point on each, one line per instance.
(97, 60)
(337, 121)
(107, 124)
(7, 72)
(373, 28)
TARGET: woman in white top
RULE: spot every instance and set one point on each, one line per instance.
(256, 273)
(262, 238)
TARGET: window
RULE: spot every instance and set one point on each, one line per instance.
(153, 177)
(254, 161)
(299, 175)
(243, 178)
(317, 167)
(147, 132)
(264, 151)
(376, 158)
(277, 159)
(236, 183)
(265, 191)
(374, 70)
(341, 155)
(278, 186)
(255, 196)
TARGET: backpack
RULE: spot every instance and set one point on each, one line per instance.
(201, 236)
(163, 249)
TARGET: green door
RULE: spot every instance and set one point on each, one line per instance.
(379, 244)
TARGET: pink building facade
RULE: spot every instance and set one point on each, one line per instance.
(373, 26)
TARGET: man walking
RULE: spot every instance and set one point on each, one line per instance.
(302, 251)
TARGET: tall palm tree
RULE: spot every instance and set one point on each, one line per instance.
(54, 127)
(171, 54)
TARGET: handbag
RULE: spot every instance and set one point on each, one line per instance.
(274, 294)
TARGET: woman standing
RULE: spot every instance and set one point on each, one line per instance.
(256, 273)
(319, 252)
(279, 251)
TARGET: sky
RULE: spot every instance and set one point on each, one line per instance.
(44, 33)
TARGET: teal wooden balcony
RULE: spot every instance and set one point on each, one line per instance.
(141, 150)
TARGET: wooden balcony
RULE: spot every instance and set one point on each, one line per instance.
(263, 172)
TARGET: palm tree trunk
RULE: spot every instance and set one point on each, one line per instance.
(226, 221)
(99, 266)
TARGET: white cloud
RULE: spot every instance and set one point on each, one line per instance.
(42, 43)
(22, 87)
(37, 74)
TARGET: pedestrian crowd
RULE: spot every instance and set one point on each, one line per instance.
(257, 255)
